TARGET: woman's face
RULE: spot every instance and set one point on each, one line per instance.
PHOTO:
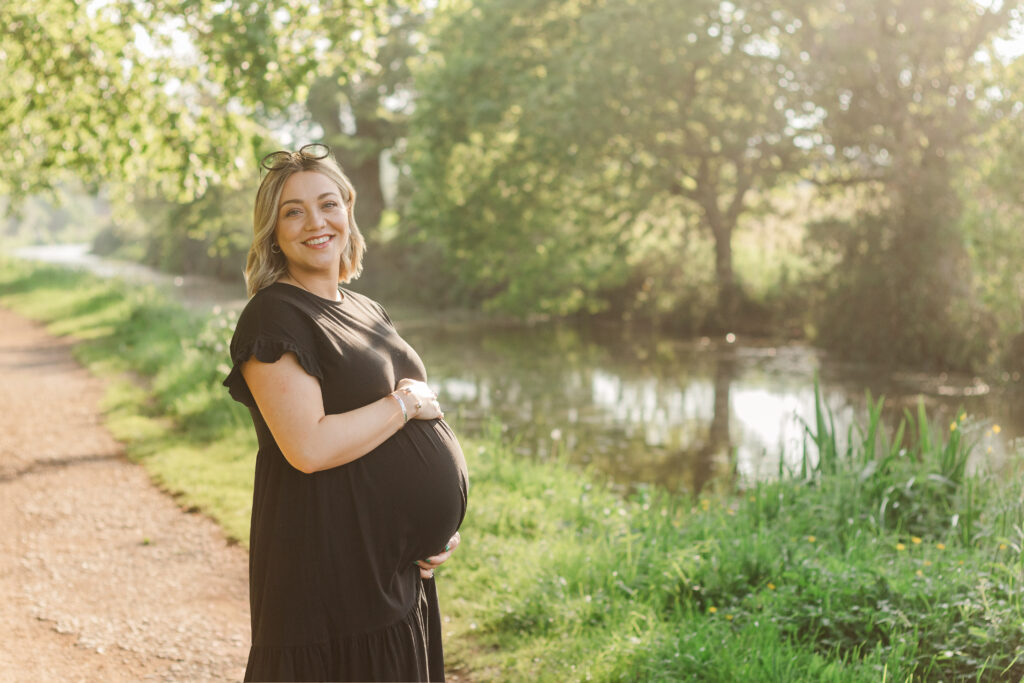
(312, 224)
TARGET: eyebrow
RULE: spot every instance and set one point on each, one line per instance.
(299, 201)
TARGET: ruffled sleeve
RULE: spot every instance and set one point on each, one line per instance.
(268, 328)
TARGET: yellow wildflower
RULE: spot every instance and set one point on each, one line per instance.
(916, 540)
(900, 546)
(728, 617)
(963, 416)
(712, 610)
(811, 539)
(771, 586)
(919, 572)
(996, 429)
(952, 426)
(927, 563)
(940, 546)
(1002, 546)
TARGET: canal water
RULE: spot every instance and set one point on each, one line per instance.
(640, 407)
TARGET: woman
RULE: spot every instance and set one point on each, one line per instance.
(360, 485)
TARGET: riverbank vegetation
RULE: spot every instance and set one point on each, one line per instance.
(878, 557)
(842, 172)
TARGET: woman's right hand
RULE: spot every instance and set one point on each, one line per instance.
(420, 400)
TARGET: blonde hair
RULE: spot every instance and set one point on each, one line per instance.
(263, 266)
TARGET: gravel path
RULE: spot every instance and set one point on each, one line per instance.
(102, 575)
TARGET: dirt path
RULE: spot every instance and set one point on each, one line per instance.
(102, 576)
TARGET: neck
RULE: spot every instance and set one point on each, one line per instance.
(320, 285)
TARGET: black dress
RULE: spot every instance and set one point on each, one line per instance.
(333, 590)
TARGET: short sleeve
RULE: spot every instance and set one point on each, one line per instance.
(267, 329)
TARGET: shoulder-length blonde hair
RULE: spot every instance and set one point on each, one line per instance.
(263, 266)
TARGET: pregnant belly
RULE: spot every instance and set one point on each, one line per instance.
(420, 474)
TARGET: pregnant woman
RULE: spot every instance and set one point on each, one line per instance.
(360, 485)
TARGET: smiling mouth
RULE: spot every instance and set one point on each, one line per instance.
(317, 241)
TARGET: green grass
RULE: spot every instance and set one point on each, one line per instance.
(879, 558)
(814, 577)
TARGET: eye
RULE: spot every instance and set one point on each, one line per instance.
(291, 212)
(330, 204)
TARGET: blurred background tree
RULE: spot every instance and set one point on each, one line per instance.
(167, 107)
(842, 171)
(559, 127)
(902, 84)
(365, 114)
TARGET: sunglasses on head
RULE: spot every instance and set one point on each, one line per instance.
(275, 161)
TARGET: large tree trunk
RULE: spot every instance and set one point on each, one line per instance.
(359, 154)
(721, 225)
(365, 176)
(728, 300)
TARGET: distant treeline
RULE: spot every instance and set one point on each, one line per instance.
(840, 171)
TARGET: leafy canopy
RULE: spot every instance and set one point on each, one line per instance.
(169, 97)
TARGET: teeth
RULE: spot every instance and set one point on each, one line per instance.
(318, 240)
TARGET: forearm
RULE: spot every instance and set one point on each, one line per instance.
(340, 438)
(290, 402)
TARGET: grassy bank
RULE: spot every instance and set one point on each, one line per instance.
(882, 559)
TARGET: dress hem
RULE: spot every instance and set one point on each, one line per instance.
(379, 655)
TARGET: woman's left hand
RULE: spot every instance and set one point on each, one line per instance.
(428, 565)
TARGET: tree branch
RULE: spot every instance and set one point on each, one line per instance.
(852, 180)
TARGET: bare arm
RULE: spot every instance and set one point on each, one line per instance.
(289, 400)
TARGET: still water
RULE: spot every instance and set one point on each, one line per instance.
(644, 408)
(649, 409)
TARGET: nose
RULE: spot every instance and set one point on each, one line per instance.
(316, 219)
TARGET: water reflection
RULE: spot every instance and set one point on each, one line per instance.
(646, 409)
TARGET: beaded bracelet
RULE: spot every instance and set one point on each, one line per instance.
(405, 413)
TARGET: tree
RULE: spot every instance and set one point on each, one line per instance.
(375, 103)
(991, 194)
(705, 102)
(80, 95)
(490, 189)
(902, 86)
(547, 129)
(170, 96)
(167, 105)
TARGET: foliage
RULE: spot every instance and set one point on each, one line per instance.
(364, 113)
(875, 563)
(544, 134)
(562, 151)
(567, 157)
(72, 215)
(990, 192)
(81, 95)
(881, 558)
(172, 95)
(168, 104)
(208, 235)
(901, 86)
